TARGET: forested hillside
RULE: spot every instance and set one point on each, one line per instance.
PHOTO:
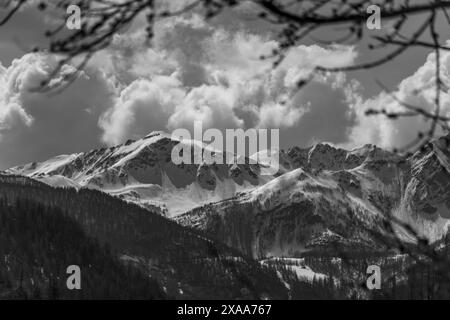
(125, 251)
(184, 262)
(38, 242)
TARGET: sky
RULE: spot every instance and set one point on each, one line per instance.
(202, 70)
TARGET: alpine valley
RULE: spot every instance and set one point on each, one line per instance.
(142, 227)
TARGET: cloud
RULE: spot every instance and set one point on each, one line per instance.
(211, 104)
(35, 126)
(418, 90)
(193, 71)
(11, 112)
(142, 106)
(176, 46)
(328, 115)
(216, 76)
(316, 55)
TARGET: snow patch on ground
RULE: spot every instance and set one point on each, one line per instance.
(303, 272)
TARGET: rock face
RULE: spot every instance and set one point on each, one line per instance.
(322, 196)
(142, 172)
(291, 214)
(426, 198)
(335, 198)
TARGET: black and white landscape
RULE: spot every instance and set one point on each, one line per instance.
(88, 179)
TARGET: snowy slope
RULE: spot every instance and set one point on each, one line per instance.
(334, 197)
(142, 171)
(321, 194)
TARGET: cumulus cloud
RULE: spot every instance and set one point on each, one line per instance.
(142, 106)
(35, 126)
(196, 70)
(193, 71)
(11, 112)
(216, 76)
(418, 90)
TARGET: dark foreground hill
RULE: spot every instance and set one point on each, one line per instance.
(37, 243)
(124, 251)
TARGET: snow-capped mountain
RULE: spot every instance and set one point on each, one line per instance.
(142, 172)
(425, 201)
(333, 197)
(321, 195)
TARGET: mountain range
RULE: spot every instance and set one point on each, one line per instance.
(324, 201)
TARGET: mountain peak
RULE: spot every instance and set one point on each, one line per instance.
(156, 133)
(141, 171)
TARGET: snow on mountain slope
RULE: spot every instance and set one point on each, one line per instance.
(293, 213)
(323, 156)
(425, 203)
(142, 171)
(336, 199)
(298, 267)
(321, 194)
